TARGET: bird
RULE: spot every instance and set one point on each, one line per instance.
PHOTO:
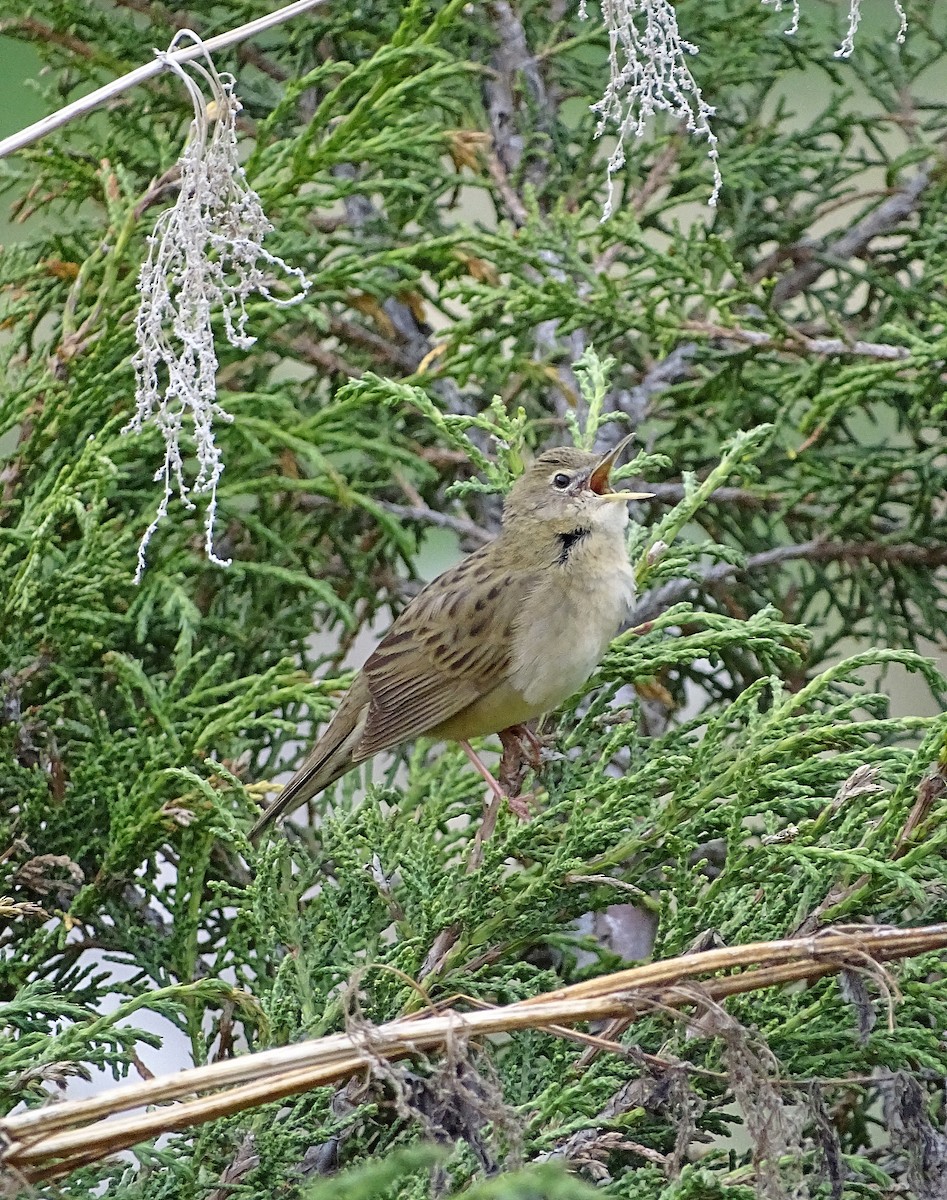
(503, 636)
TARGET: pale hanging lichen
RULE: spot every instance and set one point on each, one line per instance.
(648, 73)
(777, 6)
(205, 256)
(847, 48)
(854, 19)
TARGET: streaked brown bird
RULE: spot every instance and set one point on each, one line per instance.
(507, 634)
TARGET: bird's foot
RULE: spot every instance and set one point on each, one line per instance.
(520, 804)
(522, 744)
(523, 750)
(536, 748)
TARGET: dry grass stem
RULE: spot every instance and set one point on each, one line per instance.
(52, 1140)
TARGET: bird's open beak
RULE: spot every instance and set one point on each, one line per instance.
(598, 480)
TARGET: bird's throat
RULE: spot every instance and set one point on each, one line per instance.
(568, 542)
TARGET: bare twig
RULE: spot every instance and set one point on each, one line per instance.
(514, 205)
(441, 520)
(180, 20)
(327, 360)
(674, 493)
(41, 32)
(411, 512)
(880, 553)
(382, 348)
(654, 181)
(797, 343)
(931, 789)
(813, 259)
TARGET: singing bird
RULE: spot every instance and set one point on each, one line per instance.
(504, 636)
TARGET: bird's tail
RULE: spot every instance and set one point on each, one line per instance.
(329, 760)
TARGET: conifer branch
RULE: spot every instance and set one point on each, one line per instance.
(246, 51)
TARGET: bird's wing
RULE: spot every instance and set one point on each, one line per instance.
(450, 647)
(331, 756)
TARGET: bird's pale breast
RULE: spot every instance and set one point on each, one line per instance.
(564, 630)
(559, 638)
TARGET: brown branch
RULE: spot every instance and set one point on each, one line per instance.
(880, 553)
(158, 190)
(797, 343)
(440, 520)
(358, 335)
(674, 493)
(309, 349)
(246, 51)
(410, 512)
(814, 258)
(38, 31)
(851, 198)
(654, 181)
(514, 205)
(905, 553)
(658, 174)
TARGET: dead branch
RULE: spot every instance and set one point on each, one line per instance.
(50, 1141)
(814, 258)
(798, 343)
(908, 554)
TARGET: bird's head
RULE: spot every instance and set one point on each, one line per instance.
(566, 489)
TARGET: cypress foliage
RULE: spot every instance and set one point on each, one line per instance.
(733, 772)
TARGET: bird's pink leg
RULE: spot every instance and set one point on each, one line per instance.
(499, 792)
(483, 770)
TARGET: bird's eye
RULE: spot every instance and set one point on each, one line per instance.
(561, 480)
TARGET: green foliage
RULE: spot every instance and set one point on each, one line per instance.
(734, 770)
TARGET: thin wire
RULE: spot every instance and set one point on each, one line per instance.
(163, 60)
